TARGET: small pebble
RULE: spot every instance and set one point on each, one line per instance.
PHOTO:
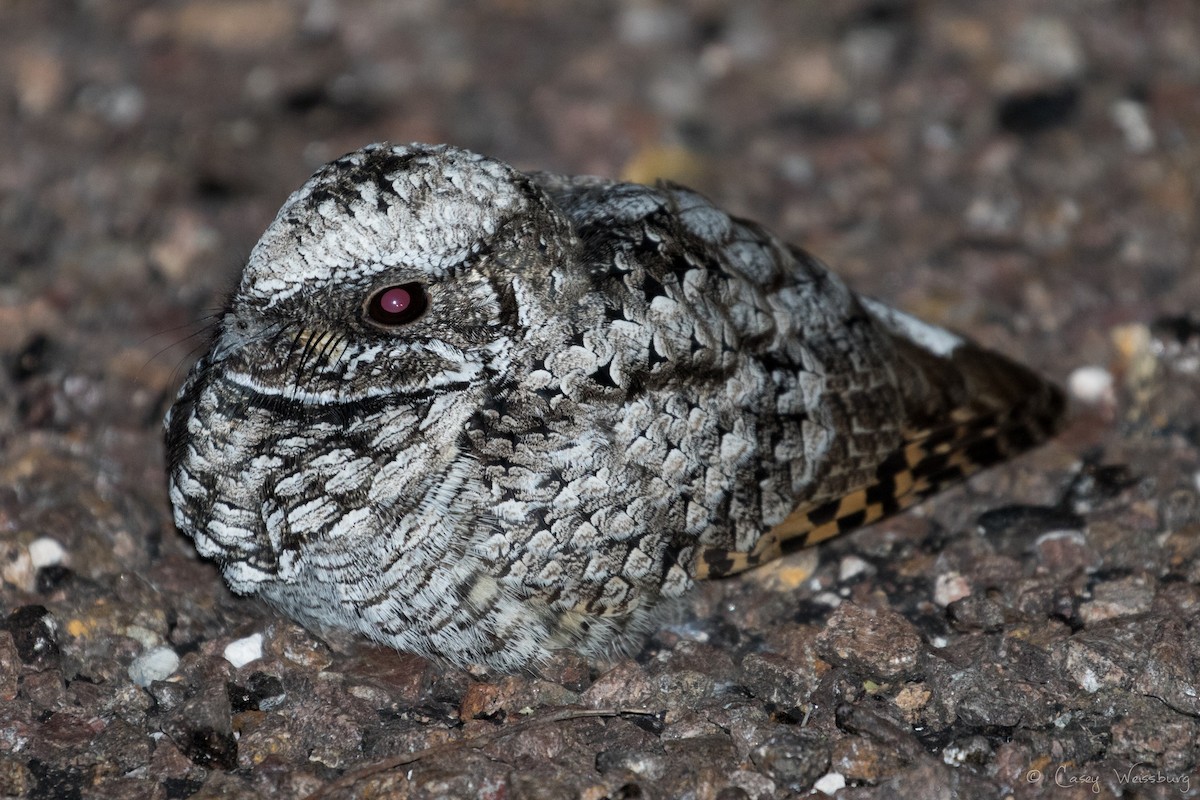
(793, 760)
(1088, 679)
(1092, 385)
(1046, 49)
(1130, 116)
(1066, 551)
(265, 692)
(1125, 597)
(148, 639)
(831, 783)
(16, 566)
(35, 633)
(648, 25)
(45, 552)
(828, 599)
(242, 651)
(156, 665)
(851, 567)
(879, 643)
(950, 586)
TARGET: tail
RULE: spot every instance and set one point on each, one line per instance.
(967, 408)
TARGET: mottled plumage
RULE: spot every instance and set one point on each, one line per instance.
(481, 414)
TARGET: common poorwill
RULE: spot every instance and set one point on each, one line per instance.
(481, 414)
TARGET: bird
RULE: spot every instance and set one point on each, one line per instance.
(483, 414)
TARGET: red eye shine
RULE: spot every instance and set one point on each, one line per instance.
(397, 305)
(394, 301)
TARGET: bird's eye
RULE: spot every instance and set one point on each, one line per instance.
(397, 305)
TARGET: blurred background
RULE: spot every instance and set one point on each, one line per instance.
(1026, 171)
(1038, 157)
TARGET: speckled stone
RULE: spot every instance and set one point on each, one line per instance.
(878, 643)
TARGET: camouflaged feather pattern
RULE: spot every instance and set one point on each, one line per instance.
(615, 390)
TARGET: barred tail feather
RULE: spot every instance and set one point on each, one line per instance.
(968, 409)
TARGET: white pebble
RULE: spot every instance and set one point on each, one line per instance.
(950, 586)
(851, 567)
(1092, 385)
(955, 755)
(45, 552)
(242, 651)
(828, 599)
(830, 783)
(1131, 117)
(1089, 680)
(156, 665)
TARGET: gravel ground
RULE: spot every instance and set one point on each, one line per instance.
(1023, 171)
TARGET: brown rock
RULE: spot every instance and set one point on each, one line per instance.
(878, 643)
